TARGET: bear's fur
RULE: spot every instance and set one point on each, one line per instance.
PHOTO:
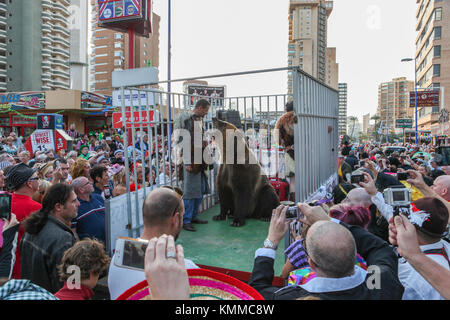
(244, 191)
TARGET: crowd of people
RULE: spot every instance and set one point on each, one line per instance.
(359, 246)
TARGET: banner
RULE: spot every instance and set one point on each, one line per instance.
(425, 99)
(139, 119)
(120, 10)
(215, 95)
(140, 98)
(42, 140)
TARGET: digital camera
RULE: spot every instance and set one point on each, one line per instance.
(397, 197)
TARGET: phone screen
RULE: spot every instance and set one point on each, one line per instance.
(398, 196)
(5, 206)
(134, 254)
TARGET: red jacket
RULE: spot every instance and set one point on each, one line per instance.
(22, 206)
(84, 293)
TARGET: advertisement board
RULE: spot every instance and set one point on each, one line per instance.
(120, 10)
(94, 102)
(140, 118)
(215, 94)
(425, 99)
(22, 101)
(135, 99)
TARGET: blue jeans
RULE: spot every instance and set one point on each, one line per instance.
(192, 206)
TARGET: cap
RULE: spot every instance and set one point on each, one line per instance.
(18, 175)
(430, 216)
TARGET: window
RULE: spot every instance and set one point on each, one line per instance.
(118, 45)
(437, 32)
(118, 54)
(118, 36)
(438, 14)
(437, 51)
(437, 70)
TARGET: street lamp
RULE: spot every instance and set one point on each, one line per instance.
(415, 90)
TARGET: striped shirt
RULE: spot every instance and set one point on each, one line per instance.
(90, 221)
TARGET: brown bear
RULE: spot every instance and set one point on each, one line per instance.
(244, 190)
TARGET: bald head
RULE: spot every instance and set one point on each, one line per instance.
(332, 249)
(159, 206)
(442, 186)
(359, 197)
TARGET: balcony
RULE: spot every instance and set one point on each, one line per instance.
(61, 41)
(3, 7)
(57, 18)
(62, 30)
(64, 53)
(62, 8)
(3, 46)
(46, 16)
(61, 84)
(61, 74)
(46, 28)
(47, 4)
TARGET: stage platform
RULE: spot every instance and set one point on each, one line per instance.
(217, 244)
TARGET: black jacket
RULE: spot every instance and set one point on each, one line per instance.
(374, 250)
(8, 251)
(41, 254)
(352, 161)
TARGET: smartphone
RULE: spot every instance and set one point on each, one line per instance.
(5, 205)
(293, 213)
(402, 176)
(357, 178)
(130, 253)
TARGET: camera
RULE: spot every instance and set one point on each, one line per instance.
(357, 178)
(293, 213)
(397, 197)
(402, 176)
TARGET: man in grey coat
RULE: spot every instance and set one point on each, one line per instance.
(195, 183)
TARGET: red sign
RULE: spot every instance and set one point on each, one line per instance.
(139, 118)
(425, 99)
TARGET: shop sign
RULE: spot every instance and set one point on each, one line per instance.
(139, 118)
(22, 100)
(18, 120)
(94, 102)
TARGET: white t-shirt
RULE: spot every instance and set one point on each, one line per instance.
(121, 279)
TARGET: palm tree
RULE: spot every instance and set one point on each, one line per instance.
(353, 121)
(376, 118)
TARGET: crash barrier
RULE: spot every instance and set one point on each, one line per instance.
(148, 114)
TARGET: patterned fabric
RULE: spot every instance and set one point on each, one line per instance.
(24, 290)
(296, 255)
(304, 275)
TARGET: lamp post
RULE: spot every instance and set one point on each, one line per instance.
(415, 91)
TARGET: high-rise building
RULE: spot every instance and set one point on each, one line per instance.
(433, 56)
(342, 122)
(353, 127)
(110, 52)
(36, 36)
(366, 123)
(393, 101)
(79, 45)
(332, 69)
(307, 46)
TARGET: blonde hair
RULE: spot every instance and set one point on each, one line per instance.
(117, 178)
(44, 169)
(78, 168)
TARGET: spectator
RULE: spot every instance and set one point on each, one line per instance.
(162, 212)
(99, 175)
(164, 176)
(91, 259)
(17, 141)
(90, 221)
(24, 182)
(80, 168)
(403, 234)
(331, 249)
(10, 230)
(352, 160)
(44, 185)
(84, 152)
(24, 157)
(45, 171)
(61, 170)
(72, 155)
(48, 236)
(2, 180)
(10, 147)
(72, 132)
(119, 179)
(167, 277)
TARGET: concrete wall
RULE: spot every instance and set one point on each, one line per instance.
(24, 51)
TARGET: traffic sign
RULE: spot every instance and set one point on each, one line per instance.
(404, 123)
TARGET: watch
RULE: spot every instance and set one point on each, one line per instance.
(269, 245)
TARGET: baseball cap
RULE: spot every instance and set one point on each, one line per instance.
(18, 175)
(430, 216)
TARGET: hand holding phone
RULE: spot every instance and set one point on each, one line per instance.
(10, 223)
(5, 206)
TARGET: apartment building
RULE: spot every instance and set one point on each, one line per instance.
(110, 52)
(342, 122)
(433, 57)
